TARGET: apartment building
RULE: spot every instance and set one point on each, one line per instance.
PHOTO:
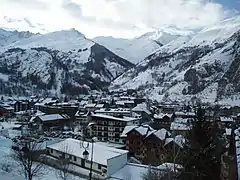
(109, 128)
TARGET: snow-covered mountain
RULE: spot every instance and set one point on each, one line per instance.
(59, 62)
(8, 37)
(204, 66)
(138, 48)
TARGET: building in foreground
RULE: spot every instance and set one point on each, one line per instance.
(106, 160)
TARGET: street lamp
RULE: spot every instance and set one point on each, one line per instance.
(86, 153)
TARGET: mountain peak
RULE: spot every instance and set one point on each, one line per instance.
(64, 40)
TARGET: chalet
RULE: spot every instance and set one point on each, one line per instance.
(52, 121)
(167, 109)
(6, 110)
(21, 105)
(226, 121)
(180, 126)
(148, 145)
(184, 115)
(135, 139)
(42, 103)
(162, 120)
(109, 128)
(155, 151)
(106, 160)
(142, 109)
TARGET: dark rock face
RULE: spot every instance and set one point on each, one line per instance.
(231, 78)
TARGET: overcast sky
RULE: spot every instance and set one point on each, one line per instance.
(119, 18)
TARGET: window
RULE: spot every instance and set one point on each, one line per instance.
(75, 158)
(51, 151)
(99, 166)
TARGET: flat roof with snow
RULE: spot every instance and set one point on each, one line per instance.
(53, 117)
(226, 119)
(126, 119)
(101, 153)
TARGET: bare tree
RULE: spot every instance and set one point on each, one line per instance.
(64, 164)
(28, 159)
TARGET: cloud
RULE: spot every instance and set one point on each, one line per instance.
(36, 4)
(124, 18)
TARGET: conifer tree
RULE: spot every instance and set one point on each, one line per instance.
(203, 149)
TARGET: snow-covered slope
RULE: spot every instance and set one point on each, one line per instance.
(59, 62)
(205, 65)
(8, 37)
(137, 49)
(64, 40)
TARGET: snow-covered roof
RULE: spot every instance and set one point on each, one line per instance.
(100, 153)
(179, 126)
(39, 113)
(180, 113)
(161, 133)
(226, 119)
(142, 130)
(53, 117)
(90, 105)
(126, 130)
(183, 120)
(124, 102)
(6, 106)
(136, 171)
(161, 115)
(79, 113)
(83, 103)
(114, 118)
(170, 166)
(179, 140)
(141, 108)
(99, 105)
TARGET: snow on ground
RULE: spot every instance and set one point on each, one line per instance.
(4, 77)
(130, 171)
